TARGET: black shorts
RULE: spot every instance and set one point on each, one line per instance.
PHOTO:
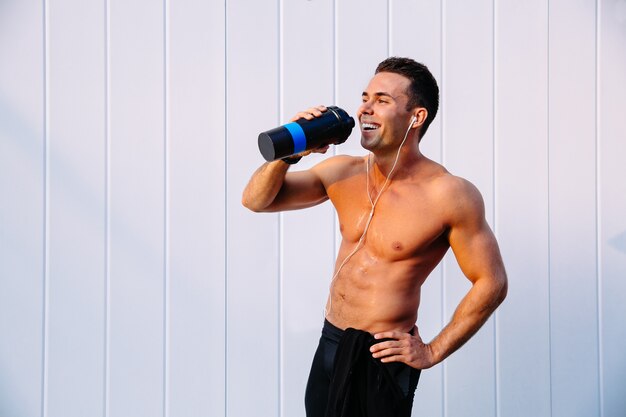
(317, 388)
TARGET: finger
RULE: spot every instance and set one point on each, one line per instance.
(310, 113)
(392, 335)
(322, 149)
(303, 115)
(317, 110)
(389, 352)
(304, 153)
(394, 358)
(384, 345)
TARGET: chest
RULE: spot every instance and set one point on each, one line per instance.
(406, 221)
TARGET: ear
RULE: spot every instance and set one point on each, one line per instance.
(419, 117)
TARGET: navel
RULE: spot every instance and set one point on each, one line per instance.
(396, 246)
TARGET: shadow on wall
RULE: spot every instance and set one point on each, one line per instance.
(619, 242)
(22, 147)
(21, 162)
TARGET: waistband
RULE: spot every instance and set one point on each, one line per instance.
(331, 331)
(334, 333)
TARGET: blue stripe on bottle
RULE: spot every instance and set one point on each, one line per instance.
(299, 138)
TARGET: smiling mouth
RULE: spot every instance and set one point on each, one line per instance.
(369, 126)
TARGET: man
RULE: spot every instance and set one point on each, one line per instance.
(399, 212)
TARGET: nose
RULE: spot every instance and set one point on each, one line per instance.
(364, 108)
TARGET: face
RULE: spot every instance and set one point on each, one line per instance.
(383, 116)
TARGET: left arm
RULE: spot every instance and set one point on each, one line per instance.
(478, 255)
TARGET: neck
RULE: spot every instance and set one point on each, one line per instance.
(383, 163)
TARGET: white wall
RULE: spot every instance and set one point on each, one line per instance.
(133, 282)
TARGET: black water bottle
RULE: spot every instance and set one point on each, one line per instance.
(331, 128)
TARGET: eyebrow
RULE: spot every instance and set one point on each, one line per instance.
(378, 94)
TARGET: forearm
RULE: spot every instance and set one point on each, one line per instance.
(264, 185)
(472, 312)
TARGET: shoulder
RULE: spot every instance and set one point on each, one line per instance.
(451, 187)
(459, 199)
(340, 161)
(338, 167)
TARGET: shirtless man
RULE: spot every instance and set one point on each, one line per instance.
(420, 211)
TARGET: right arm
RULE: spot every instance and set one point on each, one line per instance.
(272, 188)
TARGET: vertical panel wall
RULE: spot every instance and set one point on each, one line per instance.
(252, 252)
(22, 207)
(612, 202)
(76, 241)
(133, 282)
(136, 209)
(521, 207)
(196, 325)
(572, 203)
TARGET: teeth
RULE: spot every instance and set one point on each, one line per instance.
(369, 126)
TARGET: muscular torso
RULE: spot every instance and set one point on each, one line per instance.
(378, 288)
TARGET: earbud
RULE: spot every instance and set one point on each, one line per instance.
(413, 120)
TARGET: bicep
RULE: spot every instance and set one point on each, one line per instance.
(300, 189)
(473, 242)
(477, 252)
